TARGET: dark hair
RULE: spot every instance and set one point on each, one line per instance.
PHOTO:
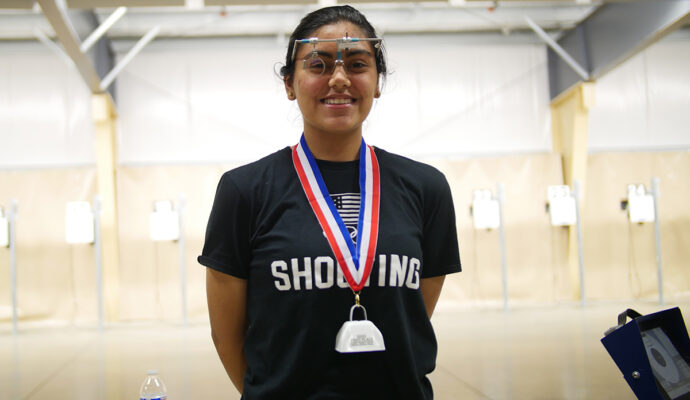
(326, 16)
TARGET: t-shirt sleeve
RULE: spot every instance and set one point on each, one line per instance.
(227, 244)
(440, 242)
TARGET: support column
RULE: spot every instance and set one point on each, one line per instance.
(570, 127)
(104, 119)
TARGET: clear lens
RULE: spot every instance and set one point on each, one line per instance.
(316, 65)
(356, 62)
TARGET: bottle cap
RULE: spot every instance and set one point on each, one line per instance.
(152, 372)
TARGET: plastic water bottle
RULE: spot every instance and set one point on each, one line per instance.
(153, 387)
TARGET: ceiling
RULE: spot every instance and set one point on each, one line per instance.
(19, 19)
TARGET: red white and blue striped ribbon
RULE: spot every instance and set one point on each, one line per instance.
(355, 260)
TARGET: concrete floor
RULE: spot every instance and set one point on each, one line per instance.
(532, 353)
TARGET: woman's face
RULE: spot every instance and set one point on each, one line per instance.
(337, 101)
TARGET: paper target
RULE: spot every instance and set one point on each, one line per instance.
(661, 361)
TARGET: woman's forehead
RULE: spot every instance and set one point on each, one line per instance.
(330, 49)
(338, 30)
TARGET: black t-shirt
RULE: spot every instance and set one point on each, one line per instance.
(263, 229)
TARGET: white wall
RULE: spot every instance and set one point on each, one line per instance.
(204, 101)
(219, 100)
(644, 104)
(452, 96)
(212, 100)
(44, 109)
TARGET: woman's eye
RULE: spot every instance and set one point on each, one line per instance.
(315, 64)
(358, 66)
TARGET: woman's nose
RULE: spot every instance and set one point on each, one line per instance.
(339, 77)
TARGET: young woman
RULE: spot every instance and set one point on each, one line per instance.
(306, 245)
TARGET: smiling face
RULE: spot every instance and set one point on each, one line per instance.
(337, 101)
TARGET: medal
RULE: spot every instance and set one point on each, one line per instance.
(355, 260)
(359, 336)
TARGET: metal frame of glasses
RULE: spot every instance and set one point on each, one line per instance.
(344, 43)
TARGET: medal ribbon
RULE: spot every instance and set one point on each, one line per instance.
(355, 260)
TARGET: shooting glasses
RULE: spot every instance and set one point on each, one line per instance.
(319, 61)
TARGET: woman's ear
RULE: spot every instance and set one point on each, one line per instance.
(289, 89)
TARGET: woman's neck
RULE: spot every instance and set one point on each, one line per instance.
(334, 146)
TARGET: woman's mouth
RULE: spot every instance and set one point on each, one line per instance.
(338, 101)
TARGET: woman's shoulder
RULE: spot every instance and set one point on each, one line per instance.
(270, 166)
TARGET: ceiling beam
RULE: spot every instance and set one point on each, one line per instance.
(611, 35)
(69, 39)
(558, 49)
(17, 4)
(110, 77)
(232, 21)
(90, 4)
(94, 58)
(97, 34)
